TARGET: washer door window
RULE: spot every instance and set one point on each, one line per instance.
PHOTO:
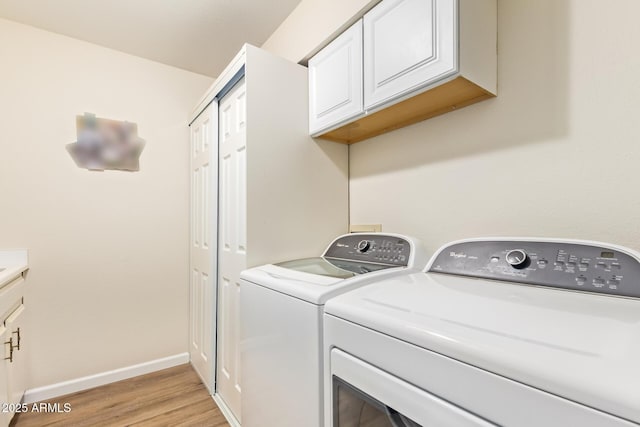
(366, 396)
(331, 267)
(353, 408)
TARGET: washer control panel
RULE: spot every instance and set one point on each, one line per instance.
(577, 266)
(372, 248)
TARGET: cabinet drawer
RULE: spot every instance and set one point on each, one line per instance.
(11, 297)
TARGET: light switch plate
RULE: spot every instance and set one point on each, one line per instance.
(365, 228)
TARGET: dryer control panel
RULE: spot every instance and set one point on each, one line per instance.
(576, 266)
(372, 248)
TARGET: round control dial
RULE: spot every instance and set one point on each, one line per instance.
(517, 258)
(363, 246)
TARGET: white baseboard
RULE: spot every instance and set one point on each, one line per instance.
(231, 419)
(91, 381)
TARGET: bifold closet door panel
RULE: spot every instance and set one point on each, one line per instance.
(203, 254)
(233, 241)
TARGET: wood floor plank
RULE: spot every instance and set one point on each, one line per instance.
(202, 415)
(170, 397)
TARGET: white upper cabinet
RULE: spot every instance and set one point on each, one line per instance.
(420, 59)
(335, 75)
(407, 45)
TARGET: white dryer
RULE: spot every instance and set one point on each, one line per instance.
(281, 308)
(508, 332)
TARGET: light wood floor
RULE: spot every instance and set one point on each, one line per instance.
(171, 397)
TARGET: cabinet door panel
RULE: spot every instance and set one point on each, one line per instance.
(5, 417)
(408, 44)
(335, 81)
(17, 368)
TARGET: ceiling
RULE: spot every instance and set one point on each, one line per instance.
(196, 35)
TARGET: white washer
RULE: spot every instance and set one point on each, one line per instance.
(281, 310)
(509, 332)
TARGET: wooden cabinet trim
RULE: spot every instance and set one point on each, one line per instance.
(455, 94)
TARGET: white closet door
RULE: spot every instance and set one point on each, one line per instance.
(408, 44)
(233, 241)
(204, 173)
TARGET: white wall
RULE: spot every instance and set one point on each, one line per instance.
(108, 283)
(312, 24)
(556, 154)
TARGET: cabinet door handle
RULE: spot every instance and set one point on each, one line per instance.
(10, 342)
(17, 332)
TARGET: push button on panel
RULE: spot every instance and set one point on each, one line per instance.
(598, 283)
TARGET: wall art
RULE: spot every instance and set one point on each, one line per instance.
(106, 144)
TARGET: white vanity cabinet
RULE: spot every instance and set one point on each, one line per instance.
(14, 363)
(13, 369)
(420, 59)
(335, 81)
